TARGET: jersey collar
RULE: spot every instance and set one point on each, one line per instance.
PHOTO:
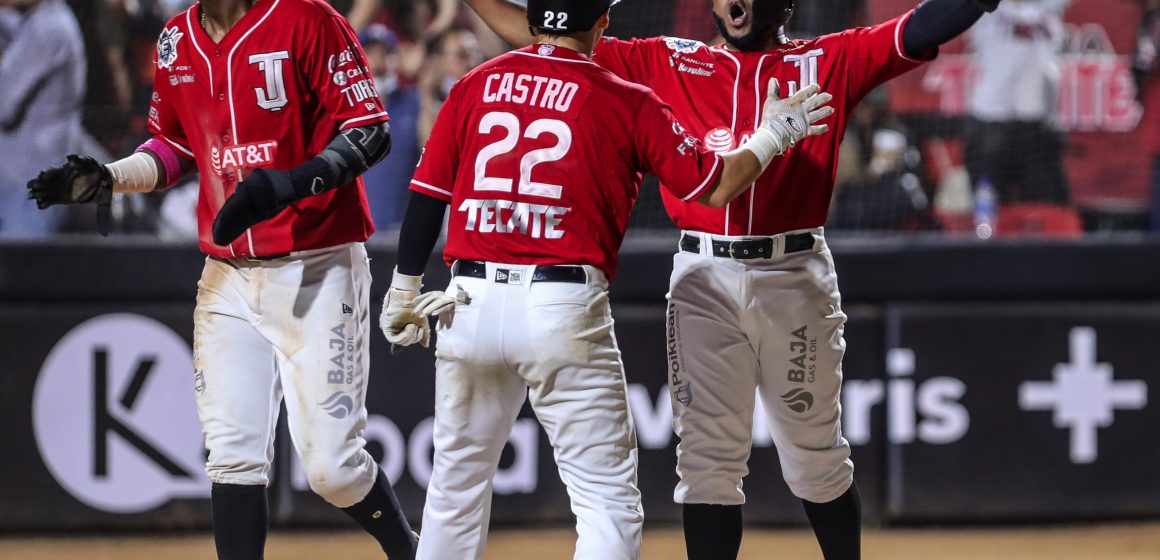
(555, 51)
(254, 16)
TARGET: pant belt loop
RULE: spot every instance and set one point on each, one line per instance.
(778, 246)
(706, 243)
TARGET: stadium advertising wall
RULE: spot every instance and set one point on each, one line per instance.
(957, 411)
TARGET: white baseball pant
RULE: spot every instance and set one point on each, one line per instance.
(738, 327)
(296, 325)
(552, 342)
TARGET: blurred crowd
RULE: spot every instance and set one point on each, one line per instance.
(77, 76)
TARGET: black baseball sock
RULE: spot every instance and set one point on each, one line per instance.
(240, 517)
(838, 525)
(712, 532)
(379, 513)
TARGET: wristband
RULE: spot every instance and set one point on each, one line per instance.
(764, 144)
(406, 282)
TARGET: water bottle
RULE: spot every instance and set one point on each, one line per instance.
(985, 208)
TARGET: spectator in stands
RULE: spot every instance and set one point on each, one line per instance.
(388, 182)
(449, 57)
(888, 194)
(42, 69)
(1011, 138)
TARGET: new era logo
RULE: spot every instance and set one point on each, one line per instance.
(347, 310)
(505, 276)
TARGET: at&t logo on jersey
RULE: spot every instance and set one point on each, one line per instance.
(243, 156)
(167, 47)
(720, 140)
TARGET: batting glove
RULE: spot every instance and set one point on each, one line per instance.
(79, 181)
(785, 122)
(258, 198)
(438, 304)
(399, 322)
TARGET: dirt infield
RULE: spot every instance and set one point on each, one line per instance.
(1105, 542)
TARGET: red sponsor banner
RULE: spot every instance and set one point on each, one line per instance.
(1109, 138)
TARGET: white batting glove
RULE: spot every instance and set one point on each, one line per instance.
(785, 122)
(399, 322)
(436, 304)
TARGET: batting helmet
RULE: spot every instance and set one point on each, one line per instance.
(566, 16)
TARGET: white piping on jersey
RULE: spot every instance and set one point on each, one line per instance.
(192, 39)
(432, 187)
(756, 123)
(555, 58)
(733, 126)
(693, 195)
(174, 144)
(898, 38)
(230, 68)
(230, 88)
(357, 119)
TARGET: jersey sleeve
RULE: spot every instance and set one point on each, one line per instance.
(336, 69)
(163, 122)
(439, 160)
(876, 55)
(666, 150)
(629, 60)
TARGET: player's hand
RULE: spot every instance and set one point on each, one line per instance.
(254, 201)
(436, 304)
(792, 120)
(399, 322)
(79, 181)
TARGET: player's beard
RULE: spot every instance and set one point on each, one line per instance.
(768, 18)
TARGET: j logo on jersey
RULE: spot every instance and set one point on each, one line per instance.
(167, 47)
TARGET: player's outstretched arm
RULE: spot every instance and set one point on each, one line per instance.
(783, 123)
(81, 180)
(507, 20)
(935, 22)
(266, 192)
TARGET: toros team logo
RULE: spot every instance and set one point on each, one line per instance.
(167, 47)
(719, 140)
(683, 46)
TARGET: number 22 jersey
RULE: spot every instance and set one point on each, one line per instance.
(540, 154)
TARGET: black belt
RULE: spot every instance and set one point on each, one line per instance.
(554, 273)
(744, 249)
(252, 259)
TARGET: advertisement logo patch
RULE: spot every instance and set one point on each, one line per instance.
(113, 416)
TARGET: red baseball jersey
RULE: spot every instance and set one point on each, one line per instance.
(718, 94)
(540, 153)
(281, 84)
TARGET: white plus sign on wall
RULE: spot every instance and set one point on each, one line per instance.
(1082, 395)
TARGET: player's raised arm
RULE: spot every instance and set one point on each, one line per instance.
(507, 20)
(937, 21)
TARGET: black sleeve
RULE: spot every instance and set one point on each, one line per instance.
(349, 155)
(937, 21)
(421, 227)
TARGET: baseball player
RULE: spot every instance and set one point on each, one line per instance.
(753, 301)
(539, 154)
(272, 102)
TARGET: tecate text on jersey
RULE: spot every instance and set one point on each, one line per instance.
(506, 216)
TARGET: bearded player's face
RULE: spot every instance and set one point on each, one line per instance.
(747, 27)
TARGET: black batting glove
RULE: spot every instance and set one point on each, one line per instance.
(263, 195)
(80, 180)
